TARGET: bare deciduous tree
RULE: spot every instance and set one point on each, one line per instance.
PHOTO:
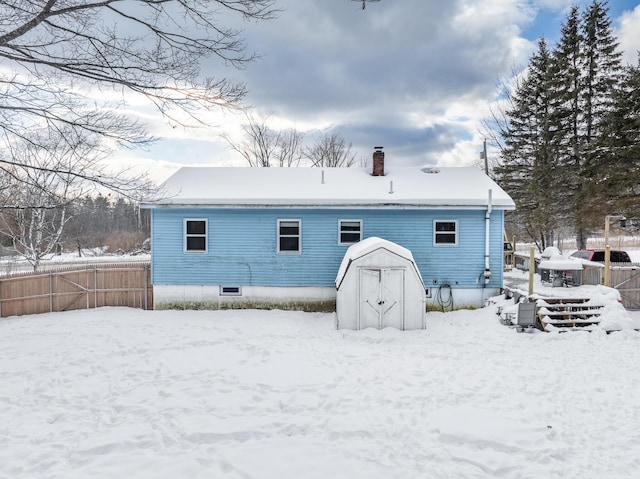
(71, 63)
(288, 152)
(331, 150)
(258, 145)
(40, 181)
(262, 146)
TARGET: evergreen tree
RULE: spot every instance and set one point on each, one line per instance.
(528, 170)
(620, 147)
(601, 72)
(557, 139)
(566, 83)
(602, 68)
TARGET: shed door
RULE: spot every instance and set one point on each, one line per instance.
(381, 293)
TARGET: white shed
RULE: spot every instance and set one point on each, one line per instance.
(379, 286)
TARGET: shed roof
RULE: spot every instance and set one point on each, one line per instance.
(350, 187)
(367, 246)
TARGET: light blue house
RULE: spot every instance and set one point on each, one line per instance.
(276, 236)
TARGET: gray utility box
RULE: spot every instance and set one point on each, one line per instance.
(527, 316)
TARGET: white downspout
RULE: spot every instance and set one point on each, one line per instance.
(487, 216)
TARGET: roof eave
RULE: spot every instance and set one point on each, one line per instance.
(507, 206)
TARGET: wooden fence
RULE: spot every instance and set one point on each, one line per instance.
(627, 281)
(84, 287)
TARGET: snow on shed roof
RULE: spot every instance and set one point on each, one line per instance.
(403, 186)
(368, 245)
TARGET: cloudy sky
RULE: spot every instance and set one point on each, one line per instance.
(415, 76)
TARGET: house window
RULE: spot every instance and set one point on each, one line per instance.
(289, 236)
(195, 236)
(445, 233)
(350, 231)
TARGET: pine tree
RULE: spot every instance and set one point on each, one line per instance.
(557, 139)
(567, 85)
(601, 73)
(602, 68)
(620, 147)
(528, 168)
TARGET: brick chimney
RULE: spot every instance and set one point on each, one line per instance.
(378, 161)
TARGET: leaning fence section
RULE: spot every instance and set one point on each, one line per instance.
(627, 281)
(90, 286)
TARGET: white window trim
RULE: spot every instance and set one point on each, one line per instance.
(340, 221)
(445, 245)
(184, 236)
(283, 220)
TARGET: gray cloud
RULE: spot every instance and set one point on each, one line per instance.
(413, 75)
(322, 54)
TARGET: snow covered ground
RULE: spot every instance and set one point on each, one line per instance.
(118, 392)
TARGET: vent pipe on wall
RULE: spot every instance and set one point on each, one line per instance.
(487, 240)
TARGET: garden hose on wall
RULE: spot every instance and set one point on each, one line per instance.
(445, 297)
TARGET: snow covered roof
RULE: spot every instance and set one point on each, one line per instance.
(353, 187)
(366, 246)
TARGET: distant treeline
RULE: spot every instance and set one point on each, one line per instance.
(98, 221)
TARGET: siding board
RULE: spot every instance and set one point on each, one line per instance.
(242, 246)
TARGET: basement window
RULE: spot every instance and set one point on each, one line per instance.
(230, 291)
(445, 233)
(195, 235)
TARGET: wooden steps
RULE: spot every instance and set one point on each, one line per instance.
(575, 313)
(563, 313)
